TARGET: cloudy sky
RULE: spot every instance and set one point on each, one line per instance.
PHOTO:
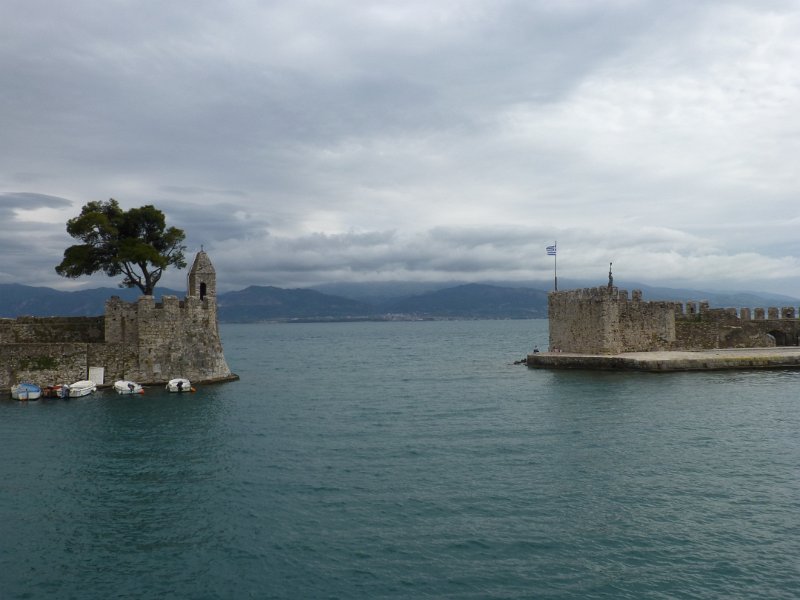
(306, 141)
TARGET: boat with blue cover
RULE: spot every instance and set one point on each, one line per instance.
(26, 391)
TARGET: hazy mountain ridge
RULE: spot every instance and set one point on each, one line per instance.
(474, 300)
(17, 299)
(268, 303)
(389, 291)
(387, 300)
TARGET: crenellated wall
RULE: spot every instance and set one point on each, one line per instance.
(143, 341)
(604, 320)
(173, 338)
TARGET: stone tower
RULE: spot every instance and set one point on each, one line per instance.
(147, 341)
(202, 278)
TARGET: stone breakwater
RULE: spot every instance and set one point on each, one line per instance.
(664, 361)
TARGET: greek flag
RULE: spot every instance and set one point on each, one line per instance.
(551, 251)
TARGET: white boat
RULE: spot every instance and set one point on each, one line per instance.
(26, 391)
(84, 387)
(179, 384)
(123, 386)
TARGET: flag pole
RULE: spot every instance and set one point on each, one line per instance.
(555, 265)
(553, 251)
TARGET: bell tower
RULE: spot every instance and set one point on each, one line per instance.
(202, 278)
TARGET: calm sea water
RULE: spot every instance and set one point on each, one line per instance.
(407, 460)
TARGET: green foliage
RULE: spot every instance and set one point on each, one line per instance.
(134, 243)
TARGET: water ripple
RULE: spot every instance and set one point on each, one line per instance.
(406, 460)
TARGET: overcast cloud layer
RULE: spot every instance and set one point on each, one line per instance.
(306, 141)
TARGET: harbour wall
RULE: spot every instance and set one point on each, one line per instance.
(145, 341)
(604, 320)
(51, 329)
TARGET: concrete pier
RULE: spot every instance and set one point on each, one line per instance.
(701, 360)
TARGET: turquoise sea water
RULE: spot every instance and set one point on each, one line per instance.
(407, 460)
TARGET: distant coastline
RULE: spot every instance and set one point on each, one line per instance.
(399, 301)
(257, 304)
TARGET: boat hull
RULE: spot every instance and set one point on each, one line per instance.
(26, 391)
(82, 388)
(179, 385)
(128, 387)
(55, 391)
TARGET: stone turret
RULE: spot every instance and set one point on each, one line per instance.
(603, 321)
(146, 341)
(202, 278)
(171, 338)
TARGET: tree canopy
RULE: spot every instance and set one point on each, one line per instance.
(135, 243)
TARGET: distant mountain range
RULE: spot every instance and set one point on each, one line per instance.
(361, 301)
(18, 300)
(380, 292)
(259, 303)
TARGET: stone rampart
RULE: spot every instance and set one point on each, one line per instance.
(173, 338)
(46, 364)
(582, 319)
(143, 341)
(604, 320)
(30, 330)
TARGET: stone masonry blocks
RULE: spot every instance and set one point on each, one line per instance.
(603, 321)
(144, 341)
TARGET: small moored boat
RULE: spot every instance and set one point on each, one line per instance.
(123, 386)
(179, 384)
(26, 391)
(84, 387)
(55, 391)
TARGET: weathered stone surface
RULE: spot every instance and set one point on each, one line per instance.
(48, 363)
(143, 341)
(51, 329)
(603, 321)
(202, 277)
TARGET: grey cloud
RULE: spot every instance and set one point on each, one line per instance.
(210, 224)
(314, 258)
(197, 191)
(305, 141)
(207, 92)
(323, 243)
(10, 201)
(507, 237)
(29, 251)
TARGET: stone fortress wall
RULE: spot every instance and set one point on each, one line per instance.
(143, 341)
(604, 320)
